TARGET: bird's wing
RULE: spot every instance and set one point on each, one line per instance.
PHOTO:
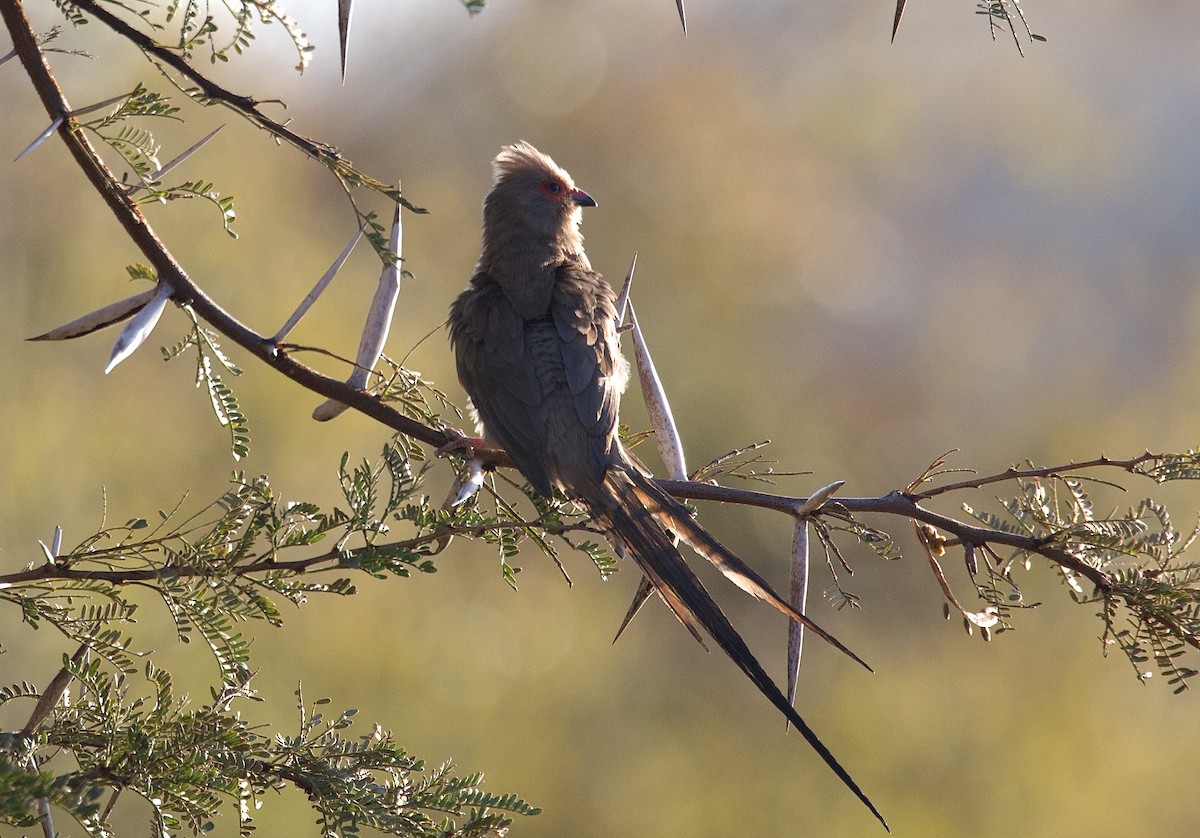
(489, 343)
(582, 307)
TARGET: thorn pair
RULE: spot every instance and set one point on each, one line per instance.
(379, 317)
(145, 308)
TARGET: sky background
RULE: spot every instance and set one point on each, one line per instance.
(868, 252)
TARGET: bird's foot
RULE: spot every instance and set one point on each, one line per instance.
(460, 443)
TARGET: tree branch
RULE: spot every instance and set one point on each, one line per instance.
(1131, 465)
(244, 105)
(138, 228)
(268, 564)
(894, 503)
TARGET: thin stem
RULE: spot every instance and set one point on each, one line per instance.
(268, 564)
(245, 105)
(47, 822)
(43, 805)
(1129, 465)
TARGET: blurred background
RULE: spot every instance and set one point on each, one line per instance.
(869, 253)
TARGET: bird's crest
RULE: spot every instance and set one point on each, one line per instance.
(522, 158)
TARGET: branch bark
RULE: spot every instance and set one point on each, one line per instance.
(52, 694)
(894, 503)
(1130, 465)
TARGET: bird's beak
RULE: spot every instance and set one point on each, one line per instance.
(582, 198)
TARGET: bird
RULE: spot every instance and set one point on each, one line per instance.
(537, 350)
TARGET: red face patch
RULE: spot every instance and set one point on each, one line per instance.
(553, 189)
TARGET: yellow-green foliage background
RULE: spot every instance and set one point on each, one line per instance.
(868, 253)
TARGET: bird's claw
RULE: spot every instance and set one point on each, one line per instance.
(460, 443)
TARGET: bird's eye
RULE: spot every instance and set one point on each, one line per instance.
(551, 188)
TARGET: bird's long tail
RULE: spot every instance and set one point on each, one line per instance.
(632, 507)
(673, 516)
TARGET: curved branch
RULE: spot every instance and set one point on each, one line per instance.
(244, 105)
(138, 228)
(52, 695)
(894, 503)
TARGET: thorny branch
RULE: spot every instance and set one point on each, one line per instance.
(185, 290)
(45, 705)
(905, 504)
(894, 503)
(248, 107)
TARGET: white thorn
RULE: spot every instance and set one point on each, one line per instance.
(42, 137)
(158, 173)
(797, 598)
(819, 498)
(345, 7)
(375, 331)
(623, 297)
(101, 317)
(139, 328)
(318, 289)
(58, 121)
(471, 483)
(86, 109)
(666, 435)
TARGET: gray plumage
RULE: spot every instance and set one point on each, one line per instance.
(537, 350)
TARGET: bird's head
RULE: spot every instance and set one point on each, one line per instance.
(534, 192)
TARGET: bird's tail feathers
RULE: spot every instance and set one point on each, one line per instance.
(627, 508)
(671, 514)
(644, 592)
(636, 533)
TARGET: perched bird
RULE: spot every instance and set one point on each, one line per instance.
(537, 349)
